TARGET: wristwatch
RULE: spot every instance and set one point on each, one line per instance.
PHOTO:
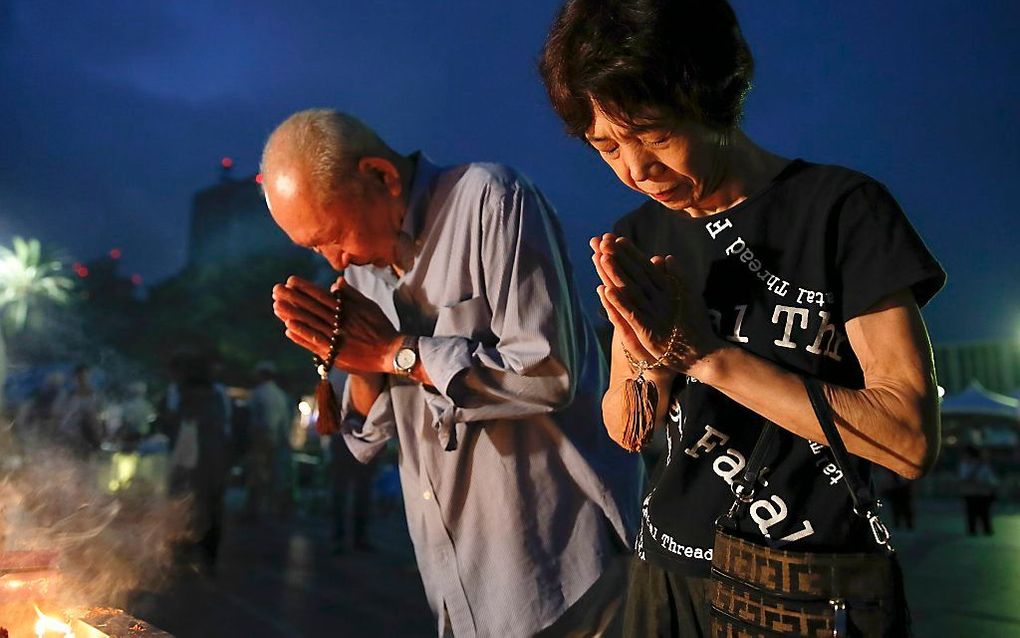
(406, 357)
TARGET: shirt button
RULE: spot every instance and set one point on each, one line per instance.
(426, 495)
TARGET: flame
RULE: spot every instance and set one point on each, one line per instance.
(47, 624)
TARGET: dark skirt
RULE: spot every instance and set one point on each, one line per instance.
(662, 603)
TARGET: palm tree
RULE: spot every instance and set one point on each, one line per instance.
(27, 278)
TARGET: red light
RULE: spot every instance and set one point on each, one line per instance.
(136, 279)
(258, 178)
(81, 270)
(226, 162)
(115, 253)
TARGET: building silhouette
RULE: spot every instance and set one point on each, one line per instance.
(230, 222)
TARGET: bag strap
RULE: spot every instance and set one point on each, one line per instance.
(864, 502)
(745, 483)
(860, 494)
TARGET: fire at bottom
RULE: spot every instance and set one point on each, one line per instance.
(30, 576)
(98, 622)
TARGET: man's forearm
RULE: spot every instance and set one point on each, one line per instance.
(485, 382)
(364, 390)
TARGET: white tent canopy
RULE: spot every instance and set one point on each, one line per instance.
(978, 401)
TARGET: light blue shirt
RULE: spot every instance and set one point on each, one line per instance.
(516, 497)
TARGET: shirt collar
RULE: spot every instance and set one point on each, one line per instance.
(425, 173)
(419, 194)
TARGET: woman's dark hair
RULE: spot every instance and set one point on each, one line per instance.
(647, 62)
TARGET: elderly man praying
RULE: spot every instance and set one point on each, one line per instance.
(464, 339)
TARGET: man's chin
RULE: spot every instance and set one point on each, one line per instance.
(356, 261)
(378, 263)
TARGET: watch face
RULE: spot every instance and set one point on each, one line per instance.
(406, 358)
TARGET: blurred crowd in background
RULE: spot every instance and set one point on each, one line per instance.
(251, 451)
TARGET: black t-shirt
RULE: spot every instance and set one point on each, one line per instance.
(781, 273)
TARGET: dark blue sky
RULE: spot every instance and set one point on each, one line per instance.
(113, 113)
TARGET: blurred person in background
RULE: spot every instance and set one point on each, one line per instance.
(350, 479)
(978, 486)
(268, 456)
(898, 494)
(136, 412)
(39, 417)
(172, 398)
(81, 428)
(196, 424)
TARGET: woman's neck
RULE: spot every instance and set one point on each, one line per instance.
(744, 168)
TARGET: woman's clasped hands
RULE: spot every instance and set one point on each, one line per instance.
(654, 314)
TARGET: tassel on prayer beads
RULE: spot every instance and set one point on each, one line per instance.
(640, 398)
(329, 410)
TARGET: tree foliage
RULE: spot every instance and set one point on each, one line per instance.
(226, 311)
(28, 278)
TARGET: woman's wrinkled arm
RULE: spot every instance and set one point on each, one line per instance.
(892, 421)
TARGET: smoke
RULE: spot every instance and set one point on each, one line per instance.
(105, 544)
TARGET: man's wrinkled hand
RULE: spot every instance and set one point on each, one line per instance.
(307, 314)
(367, 338)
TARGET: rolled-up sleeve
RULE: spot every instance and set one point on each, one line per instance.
(523, 365)
(366, 435)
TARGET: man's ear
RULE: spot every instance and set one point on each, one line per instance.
(382, 172)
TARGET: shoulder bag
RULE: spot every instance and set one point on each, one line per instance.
(759, 591)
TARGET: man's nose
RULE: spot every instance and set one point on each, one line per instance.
(338, 260)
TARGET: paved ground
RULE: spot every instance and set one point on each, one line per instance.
(961, 586)
(280, 580)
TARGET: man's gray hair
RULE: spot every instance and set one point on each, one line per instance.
(328, 145)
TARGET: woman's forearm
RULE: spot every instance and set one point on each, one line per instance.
(892, 423)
